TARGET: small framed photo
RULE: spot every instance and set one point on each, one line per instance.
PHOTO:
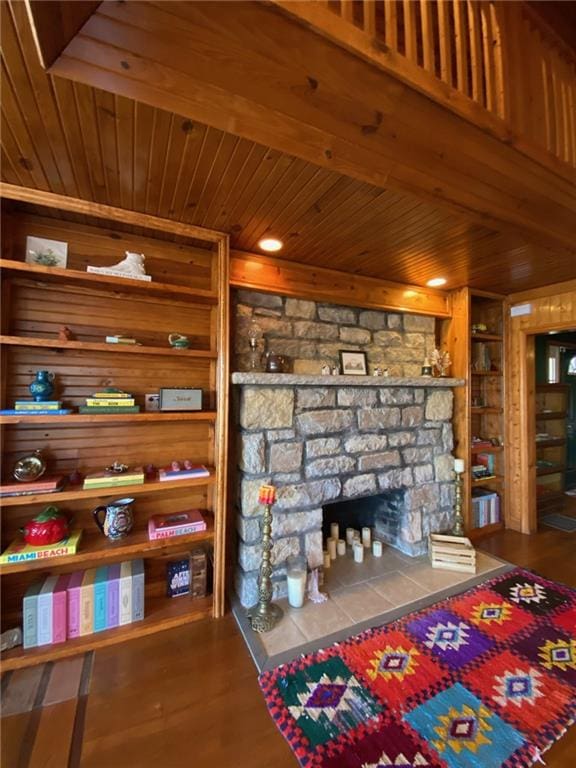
(353, 363)
(46, 253)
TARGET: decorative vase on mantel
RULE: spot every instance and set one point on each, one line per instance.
(42, 388)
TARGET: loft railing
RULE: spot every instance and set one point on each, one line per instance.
(494, 63)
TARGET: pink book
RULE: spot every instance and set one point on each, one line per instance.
(60, 609)
(74, 603)
(175, 524)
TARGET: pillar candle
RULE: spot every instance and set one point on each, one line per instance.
(459, 466)
(366, 537)
(335, 531)
(358, 552)
(377, 548)
(350, 536)
(331, 544)
(327, 560)
(341, 547)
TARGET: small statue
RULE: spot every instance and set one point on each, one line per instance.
(441, 361)
(325, 370)
(335, 370)
(131, 266)
(65, 334)
(117, 468)
(378, 371)
(10, 638)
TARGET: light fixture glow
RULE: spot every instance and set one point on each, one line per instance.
(436, 282)
(270, 244)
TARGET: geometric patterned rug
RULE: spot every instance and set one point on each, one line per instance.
(485, 679)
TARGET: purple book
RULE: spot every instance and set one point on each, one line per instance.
(60, 609)
(74, 603)
(113, 618)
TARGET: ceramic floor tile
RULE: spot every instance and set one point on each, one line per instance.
(485, 562)
(345, 572)
(284, 636)
(398, 589)
(436, 578)
(360, 602)
(317, 620)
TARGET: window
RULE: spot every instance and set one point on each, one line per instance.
(572, 367)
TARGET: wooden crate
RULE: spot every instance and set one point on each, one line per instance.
(453, 553)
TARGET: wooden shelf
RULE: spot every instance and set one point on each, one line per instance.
(491, 449)
(540, 471)
(121, 284)
(151, 486)
(551, 442)
(486, 373)
(96, 549)
(487, 480)
(485, 530)
(103, 418)
(482, 409)
(551, 415)
(160, 613)
(88, 346)
(486, 337)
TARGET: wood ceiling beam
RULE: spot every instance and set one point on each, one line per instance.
(55, 23)
(254, 72)
(264, 273)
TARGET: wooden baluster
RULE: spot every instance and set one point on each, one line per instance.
(461, 46)
(426, 7)
(410, 40)
(445, 41)
(501, 108)
(475, 51)
(488, 52)
(369, 9)
(347, 10)
(572, 111)
(391, 24)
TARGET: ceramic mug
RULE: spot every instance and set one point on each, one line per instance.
(117, 519)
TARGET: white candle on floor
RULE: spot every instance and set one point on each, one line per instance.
(377, 548)
(341, 547)
(296, 587)
(327, 560)
(358, 552)
(366, 537)
(335, 531)
(331, 545)
(350, 536)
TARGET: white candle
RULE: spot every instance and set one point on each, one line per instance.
(296, 587)
(327, 560)
(341, 547)
(358, 552)
(350, 536)
(335, 531)
(331, 543)
(366, 537)
(377, 548)
(459, 466)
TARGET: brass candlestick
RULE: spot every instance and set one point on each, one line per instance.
(458, 527)
(265, 614)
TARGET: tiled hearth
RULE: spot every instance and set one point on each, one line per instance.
(360, 596)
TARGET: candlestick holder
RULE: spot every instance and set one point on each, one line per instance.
(265, 614)
(458, 527)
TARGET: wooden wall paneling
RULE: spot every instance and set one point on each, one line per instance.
(552, 308)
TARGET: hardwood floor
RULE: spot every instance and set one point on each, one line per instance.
(190, 696)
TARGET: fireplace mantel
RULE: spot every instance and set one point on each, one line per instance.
(299, 380)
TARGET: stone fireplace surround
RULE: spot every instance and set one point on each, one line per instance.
(322, 439)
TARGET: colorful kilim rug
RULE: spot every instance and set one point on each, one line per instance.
(481, 680)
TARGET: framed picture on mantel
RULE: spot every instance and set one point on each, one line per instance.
(353, 363)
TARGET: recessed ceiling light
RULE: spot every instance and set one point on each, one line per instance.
(436, 282)
(270, 244)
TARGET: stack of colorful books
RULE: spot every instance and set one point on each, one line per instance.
(110, 401)
(84, 602)
(35, 408)
(19, 551)
(109, 479)
(176, 524)
(44, 485)
(185, 471)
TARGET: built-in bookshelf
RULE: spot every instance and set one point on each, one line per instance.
(551, 404)
(188, 294)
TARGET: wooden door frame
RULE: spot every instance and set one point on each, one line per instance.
(527, 375)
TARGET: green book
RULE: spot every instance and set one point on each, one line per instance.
(109, 409)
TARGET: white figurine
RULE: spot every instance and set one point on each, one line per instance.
(313, 591)
(131, 266)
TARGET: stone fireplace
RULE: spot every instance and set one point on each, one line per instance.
(323, 439)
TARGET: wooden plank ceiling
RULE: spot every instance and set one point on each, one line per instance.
(77, 140)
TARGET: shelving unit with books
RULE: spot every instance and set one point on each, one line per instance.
(551, 403)
(475, 338)
(188, 295)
